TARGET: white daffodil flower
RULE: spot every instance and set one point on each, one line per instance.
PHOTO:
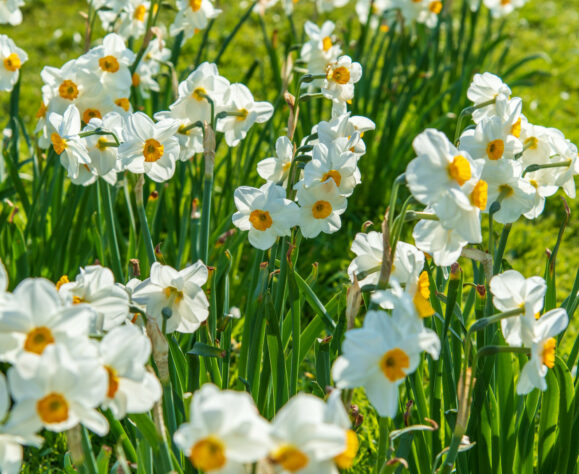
(57, 392)
(490, 141)
(150, 147)
(329, 5)
(36, 317)
(421, 11)
(12, 436)
(177, 293)
(320, 208)
(189, 135)
(150, 66)
(193, 16)
(484, 88)
(132, 21)
(239, 101)
(542, 351)
(12, 59)
(66, 142)
(379, 356)
(320, 49)
(509, 111)
(95, 286)
(344, 126)
(124, 352)
(332, 163)
(305, 441)
(265, 213)
(500, 8)
(445, 245)
(276, 169)
(341, 76)
(225, 431)
(515, 194)
(512, 291)
(335, 414)
(10, 12)
(565, 152)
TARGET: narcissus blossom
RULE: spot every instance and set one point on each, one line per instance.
(10, 12)
(320, 208)
(193, 16)
(11, 60)
(445, 245)
(341, 76)
(276, 169)
(265, 213)
(490, 140)
(150, 148)
(336, 414)
(321, 48)
(177, 292)
(57, 392)
(485, 88)
(225, 431)
(379, 356)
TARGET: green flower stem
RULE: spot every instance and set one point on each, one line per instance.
(394, 197)
(227, 41)
(120, 434)
(561, 164)
(111, 230)
(143, 218)
(89, 459)
(383, 424)
(467, 113)
(498, 259)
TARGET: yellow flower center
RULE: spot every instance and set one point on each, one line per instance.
(321, 209)
(63, 280)
(53, 408)
(335, 175)
(384, 28)
(393, 362)
(208, 454)
(435, 7)
(173, 295)
(12, 62)
(341, 75)
(495, 149)
(459, 170)
(290, 458)
(261, 220)
(532, 143)
(140, 13)
(123, 103)
(41, 111)
(68, 90)
(505, 2)
(199, 94)
(548, 353)
(505, 190)
(102, 144)
(243, 113)
(345, 460)
(534, 183)
(152, 150)
(113, 381)
(37, 339)
(136, 79)
(58, 143)
(77, 300)
(516, 128)
(479, 195)
(90, 114)
(109, 64)
(327, 44)
(195, 5)
(422, 297)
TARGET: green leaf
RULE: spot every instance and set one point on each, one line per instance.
(205, 350)
(147, 428)
(566, 412)
(103, 460)
(548, 425)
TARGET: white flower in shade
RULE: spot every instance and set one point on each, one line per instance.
(344, 126)
(225, 431)
(542, 351)
(276, 169)
(66, 142)
(305, 441)
(95, 286)
(124, 352)
(320, 49)
(57, 392)
(329, 5)
(239, 102)
(178, 291)
(10, 13)
(341, 76)
(205, 82)
(150, 147)
(490, 141)
(332, 163)
(516, 195)
(102, 151)
(12, 59)
(150, 66)
(335, 414)
(445, 245)
(485, 88)
(265, 213)
(500, 8)
(565, 152)
(379, 356)
(12, 437)
(132, 19)
(320, 208)
(36, 317)
(512, 291)
(193, 16)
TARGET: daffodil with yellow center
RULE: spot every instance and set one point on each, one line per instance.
(12, 63)
(392, 364)
(290, 458)
(37, 339)
(199, 94)
(140, 12)
(195, 5)
(109, 64)
(327, 44)
(114, 380)
(321, 209)
(68, 90)
(345, 460)
(459, 170)
(340, 75)
(59, 143)
(422, 297)
(479, 195)
(123, 103)
(53, 408)
(89, 114)
(333, 174)
(152, 150)
(261, 220)
(495, 149)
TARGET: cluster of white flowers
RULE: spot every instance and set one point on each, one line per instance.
(503, 165)
(511, 291)
(78, 346)
(307, 435)
(94, 91)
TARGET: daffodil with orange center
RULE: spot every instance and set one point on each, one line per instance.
(11, 60)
